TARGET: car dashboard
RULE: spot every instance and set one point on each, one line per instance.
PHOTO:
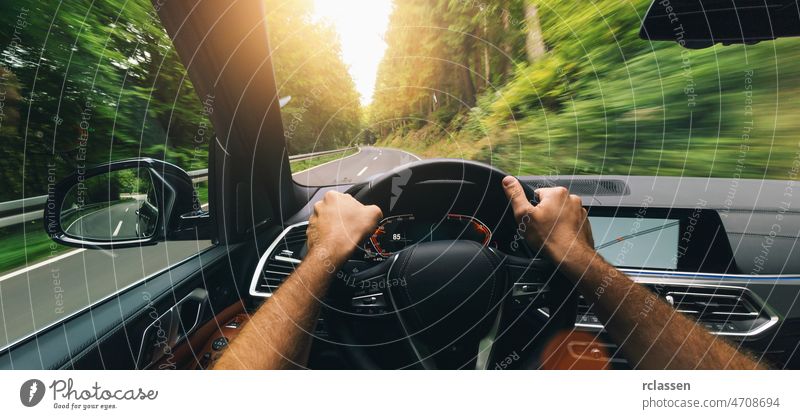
(687, 251)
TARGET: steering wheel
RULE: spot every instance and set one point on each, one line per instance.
(443, 304)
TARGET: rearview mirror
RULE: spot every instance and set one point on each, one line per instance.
(703, 23)
(123, 204)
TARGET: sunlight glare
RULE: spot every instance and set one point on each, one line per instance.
(361, 25)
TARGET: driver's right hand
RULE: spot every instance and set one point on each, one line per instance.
(339, 224)
(558, 225)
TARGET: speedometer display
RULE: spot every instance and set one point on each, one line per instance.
(400, 231)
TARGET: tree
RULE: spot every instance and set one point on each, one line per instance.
(441, 55)
(534, 45)
(324, 112)
(92, 82)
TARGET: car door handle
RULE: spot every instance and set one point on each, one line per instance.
(170, 328)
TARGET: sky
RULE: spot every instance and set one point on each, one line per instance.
(361, 25)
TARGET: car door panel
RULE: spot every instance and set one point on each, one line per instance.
(109, 334)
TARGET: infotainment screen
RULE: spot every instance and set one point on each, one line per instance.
(637, 242)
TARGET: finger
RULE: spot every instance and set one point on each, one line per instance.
(331, 195)
(587, 228)
(575, 200)
(377, 211)
(516, 195)
(556, 193)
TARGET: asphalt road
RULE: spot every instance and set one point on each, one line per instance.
(368, 162)
(117, 220)
(34, 297)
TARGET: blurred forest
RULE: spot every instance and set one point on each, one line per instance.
(562, 87)
(324, 112)
(93, 82)
(531, 86)
(90, 83)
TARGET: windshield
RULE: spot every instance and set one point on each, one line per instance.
(541, 87)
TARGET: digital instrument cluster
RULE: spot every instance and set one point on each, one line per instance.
(397, 232)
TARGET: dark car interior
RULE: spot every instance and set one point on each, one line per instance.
(735, 269)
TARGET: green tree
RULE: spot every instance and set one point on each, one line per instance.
(91, 82)
(324, 112)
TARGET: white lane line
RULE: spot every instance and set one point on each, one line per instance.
(375, 158)
(116, 230)
(362, 171)
(40, 264)
(127, 209)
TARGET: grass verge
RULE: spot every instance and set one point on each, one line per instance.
(26, 243)
(299, 166)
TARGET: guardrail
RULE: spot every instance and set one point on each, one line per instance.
(31, 208)
(307, 156)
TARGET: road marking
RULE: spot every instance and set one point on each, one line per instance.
(127, 209)
(40, 264)
(362, 171)
(116, 230)
(375, 158)
(108, 253)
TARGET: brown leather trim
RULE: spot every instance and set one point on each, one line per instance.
(189, 353)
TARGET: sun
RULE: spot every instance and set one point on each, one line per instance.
(361, 25)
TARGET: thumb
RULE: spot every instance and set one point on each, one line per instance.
(515, 194)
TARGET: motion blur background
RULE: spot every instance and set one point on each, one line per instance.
(530, 86)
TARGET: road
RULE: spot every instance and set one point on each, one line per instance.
(358, 167)
(34, 297)
(119, 220)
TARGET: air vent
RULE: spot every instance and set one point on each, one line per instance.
(273, 274)
(723, 310)
(709, 306)
(596, 187)
(279, 261)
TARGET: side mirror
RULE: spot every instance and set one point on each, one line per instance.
(125, 204)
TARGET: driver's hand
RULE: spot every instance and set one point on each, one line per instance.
(558, 225)
(340, 224)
